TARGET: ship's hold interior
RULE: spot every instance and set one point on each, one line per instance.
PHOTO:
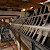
(24, 24)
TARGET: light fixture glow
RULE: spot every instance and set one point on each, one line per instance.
(41, 3)
(31, 7)
(2, 20)
(23, 10)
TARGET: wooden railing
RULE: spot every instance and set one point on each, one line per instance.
(33, 34)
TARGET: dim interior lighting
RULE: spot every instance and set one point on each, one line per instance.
(23, 10)
(31, 7)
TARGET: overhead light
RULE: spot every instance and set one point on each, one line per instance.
(31, 8)
(2, 20)
(41, 3)
(23, 10)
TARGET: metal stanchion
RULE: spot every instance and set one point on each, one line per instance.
(33, 46)
(19, 40)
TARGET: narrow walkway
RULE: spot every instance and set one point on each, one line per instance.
(24, 47)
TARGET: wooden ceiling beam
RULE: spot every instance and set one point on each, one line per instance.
(18, 4)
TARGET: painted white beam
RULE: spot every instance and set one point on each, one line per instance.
(47, 1)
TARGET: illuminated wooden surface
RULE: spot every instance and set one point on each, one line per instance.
(13, 45)
(22, 44)
(9, 45)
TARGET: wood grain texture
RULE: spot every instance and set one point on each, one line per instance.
(19, 4)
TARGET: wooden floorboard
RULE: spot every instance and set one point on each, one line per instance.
(9, 45)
